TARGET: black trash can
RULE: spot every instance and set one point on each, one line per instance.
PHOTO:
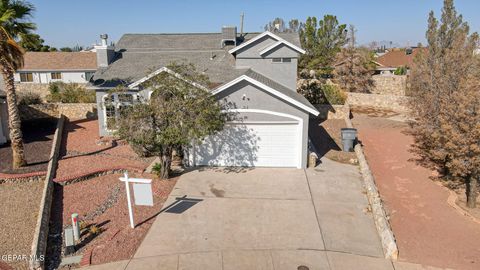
(349, 136)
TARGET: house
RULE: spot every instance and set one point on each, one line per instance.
(3, 118)
(393, 59)
(46, 67)
(256, 72)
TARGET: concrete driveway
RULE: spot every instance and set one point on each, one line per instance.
(264, 219)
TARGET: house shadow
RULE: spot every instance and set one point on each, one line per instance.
(321, 141)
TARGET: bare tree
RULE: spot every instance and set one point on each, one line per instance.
(353, 70)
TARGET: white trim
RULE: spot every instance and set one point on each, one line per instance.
(268, 89)
(266, 33)
(116, 104)
(276, 44)
(192, 153)
(135, 84)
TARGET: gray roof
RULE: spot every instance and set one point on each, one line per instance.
(140, 54)
(279, 87)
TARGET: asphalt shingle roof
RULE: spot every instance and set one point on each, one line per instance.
(140, 54)
(39, 61)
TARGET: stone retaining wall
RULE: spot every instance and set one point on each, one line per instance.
(72, 111)
(387, 237)
(389, 102)
(333, 111)
(39, 244)
(389, 85)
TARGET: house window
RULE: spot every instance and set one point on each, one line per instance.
(281, 60)
(88, 75)
(56, 75)
(115, 106)
(26, 77)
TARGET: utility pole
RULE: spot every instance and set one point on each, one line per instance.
(242, 16)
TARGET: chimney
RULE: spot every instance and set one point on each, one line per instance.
(105, 53)
(242, 17)
(229, 36)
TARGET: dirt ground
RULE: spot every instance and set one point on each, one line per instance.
(37, 137)
(326, 137)
(427, 229)
(81, 153)
(18, 218)
(102, 202)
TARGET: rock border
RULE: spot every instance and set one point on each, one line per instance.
(39, 244)
(384, 229)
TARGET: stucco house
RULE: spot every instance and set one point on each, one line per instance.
(3, 118)
(46, 67)
(256, 72)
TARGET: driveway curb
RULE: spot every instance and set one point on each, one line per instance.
(387, 237)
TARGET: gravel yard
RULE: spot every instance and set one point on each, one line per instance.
(37, 136)
(102, 202)
(18, 218)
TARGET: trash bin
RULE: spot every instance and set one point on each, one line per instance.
(349, 135)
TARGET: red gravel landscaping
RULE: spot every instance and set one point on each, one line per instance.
(102, 202)
(81, 154)
(428, 230)
(37, 137)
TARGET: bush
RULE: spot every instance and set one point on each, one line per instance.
(29, 98)
(334, 95)
(69, 93)
(157, 168)
(400, 71)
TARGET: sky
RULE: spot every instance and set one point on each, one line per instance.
(68, 23)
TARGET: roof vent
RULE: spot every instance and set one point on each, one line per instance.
(229, 35)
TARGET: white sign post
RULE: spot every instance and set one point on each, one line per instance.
(143, 193)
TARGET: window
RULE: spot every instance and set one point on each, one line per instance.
(26, 77)
(281, 60)
(56, 75)
(88, 75)
(116, 105)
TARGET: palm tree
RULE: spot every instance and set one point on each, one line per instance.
(14, 25)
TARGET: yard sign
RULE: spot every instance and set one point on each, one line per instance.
(142, 190)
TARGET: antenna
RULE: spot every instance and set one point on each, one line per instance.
(242, 16)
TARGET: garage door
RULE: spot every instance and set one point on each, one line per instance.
(259, 145)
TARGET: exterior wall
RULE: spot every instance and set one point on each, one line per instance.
(283, 73)
(257, 98)
(388, 102)
(45, 77)
(390, 85)
(72, 111)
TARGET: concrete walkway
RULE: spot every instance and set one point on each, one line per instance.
(265, 219)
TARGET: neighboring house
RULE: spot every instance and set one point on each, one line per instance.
(46, 67)
(255, 73)
(4, 136)
(391, 60)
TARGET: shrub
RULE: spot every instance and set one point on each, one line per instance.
(400, 71)
(69, 93)
(157, 168)
(29, 98)
(334, 95)
(95, 230)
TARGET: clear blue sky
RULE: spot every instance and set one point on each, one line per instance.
(67, 23)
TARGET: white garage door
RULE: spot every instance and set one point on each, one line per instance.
(259, 145)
